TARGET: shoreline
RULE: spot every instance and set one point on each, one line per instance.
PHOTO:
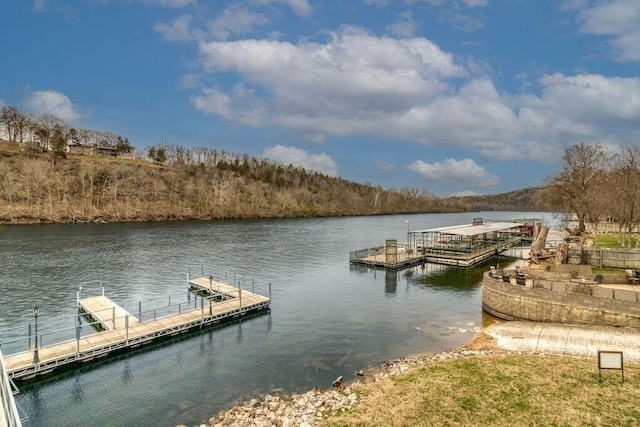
(310, 408)
(500, 338)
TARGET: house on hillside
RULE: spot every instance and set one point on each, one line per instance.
(98, 151)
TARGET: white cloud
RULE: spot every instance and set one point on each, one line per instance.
(300, 7)
(410, 90)
(38, 5)
(178, 30)
(618, 19)
(52, 102)
(339, 87)
(235, 20)
(171, 3)
(450, 170)
(322, 163)
(404, 26)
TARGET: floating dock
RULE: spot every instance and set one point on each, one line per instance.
(122, 330)
(461, 245)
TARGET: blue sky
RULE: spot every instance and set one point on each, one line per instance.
(452, 96)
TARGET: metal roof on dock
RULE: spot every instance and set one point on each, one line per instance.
(471, 230)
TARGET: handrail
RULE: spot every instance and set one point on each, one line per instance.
(153, 309)
(9, 408)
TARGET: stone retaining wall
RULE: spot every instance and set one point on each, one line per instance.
(543, 304)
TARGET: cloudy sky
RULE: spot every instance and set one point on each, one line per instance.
(453, 96)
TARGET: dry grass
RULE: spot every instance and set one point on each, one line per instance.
(500, 390)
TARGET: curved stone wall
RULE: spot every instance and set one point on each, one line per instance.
(513, 302)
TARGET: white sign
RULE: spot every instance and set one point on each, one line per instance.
(610, 360)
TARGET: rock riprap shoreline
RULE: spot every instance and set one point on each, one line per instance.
(309, 409)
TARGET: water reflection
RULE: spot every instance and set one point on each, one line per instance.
(390, 282)
(327, 318)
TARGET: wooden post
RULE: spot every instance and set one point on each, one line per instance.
(126, 328)
(113, 316)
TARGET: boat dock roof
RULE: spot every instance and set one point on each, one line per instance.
(470, 230)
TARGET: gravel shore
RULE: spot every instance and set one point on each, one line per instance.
(309, 409)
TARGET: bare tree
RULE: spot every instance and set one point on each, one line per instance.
(571, 190)
(9, 118)
(625, 190)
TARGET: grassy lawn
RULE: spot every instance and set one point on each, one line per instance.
(610, 240)
(500, 390)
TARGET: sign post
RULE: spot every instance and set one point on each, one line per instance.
(610, 360)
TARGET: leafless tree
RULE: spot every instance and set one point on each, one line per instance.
(625, 190)
(571, 189)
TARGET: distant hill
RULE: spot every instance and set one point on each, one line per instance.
(525, 199)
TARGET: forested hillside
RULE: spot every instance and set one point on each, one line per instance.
(200, 183)
(526, 199)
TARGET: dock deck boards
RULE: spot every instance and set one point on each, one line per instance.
(99, 344)
(106, 312)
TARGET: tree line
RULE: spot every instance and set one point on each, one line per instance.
(595, 186)
(191, 183)
(49, 132)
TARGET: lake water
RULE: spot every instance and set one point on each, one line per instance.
(327, 318)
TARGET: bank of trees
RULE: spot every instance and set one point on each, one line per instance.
(198, 183)
(39, 131)
(595, 186)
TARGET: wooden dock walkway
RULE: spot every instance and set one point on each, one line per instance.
(105, 312)
(123, 330)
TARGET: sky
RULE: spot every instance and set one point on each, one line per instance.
(454, 97)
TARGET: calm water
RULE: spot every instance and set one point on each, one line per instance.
(327, 318)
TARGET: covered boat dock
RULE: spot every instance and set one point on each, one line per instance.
(465, 245)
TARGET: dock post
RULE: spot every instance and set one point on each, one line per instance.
(29, 336)
(201, 308)
(253, 285)
(126, 328)
(269, 291)
(202, 270)
(77, 338)
(140, 311)
(179, 307)
(79, 295)
(240, 295)
(113, 316)
(101, 288)
(234, 277)
(169, 300)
